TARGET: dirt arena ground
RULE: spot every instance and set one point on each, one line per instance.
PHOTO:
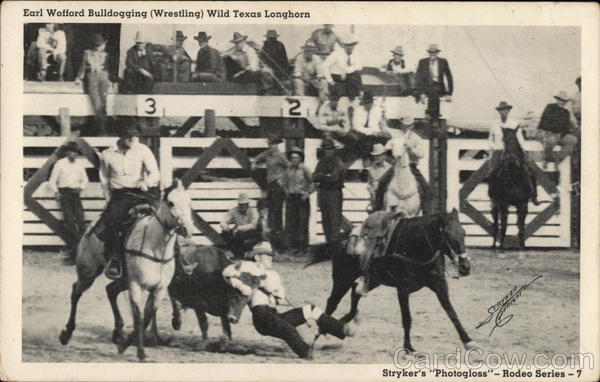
(545, 317)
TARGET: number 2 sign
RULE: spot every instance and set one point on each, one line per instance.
(292, 108)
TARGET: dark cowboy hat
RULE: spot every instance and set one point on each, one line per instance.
(129, 131)
(202, 37)
(367, 98)
(503, 106)
(237, 37)
(296, 150)
(327, 143)
(272, 33)
(72, 146)
(273, 139)
(180, 36)
(97, 40)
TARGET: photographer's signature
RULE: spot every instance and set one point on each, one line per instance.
(501, 306)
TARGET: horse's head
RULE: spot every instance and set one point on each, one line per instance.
(179, 206)
(399, 151)
(453, 236)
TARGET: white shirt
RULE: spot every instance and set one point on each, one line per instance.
(495, 137)
(413, 142)
(67, 174)
(333, 120)
(368, 122)
(253, 63)
(398, 69)
(45, 36)
(271, 284)
(433, 70)
(337, 63)
(312, 69)
(128, 169)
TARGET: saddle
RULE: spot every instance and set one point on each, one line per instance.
(134, 214)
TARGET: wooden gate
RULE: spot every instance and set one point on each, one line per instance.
(547, 225)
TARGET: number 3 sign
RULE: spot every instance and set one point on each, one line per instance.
(146, 106)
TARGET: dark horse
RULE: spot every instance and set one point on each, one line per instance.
(510, 184)
(414, 259)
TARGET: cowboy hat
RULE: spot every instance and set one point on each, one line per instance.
(348, 40)
(367, 98)
(433, 48)
(237, 37)
(407, 120)
(309, 46)
(262, 248)
(180, 36)
(202, 37)
(562, 95)
(503, 106)
(72, 146)
(243, 199)
(272, 33)
(377, 150)
(273, 139)
(296, 150)
(140, 38)
(398, 50)
(327, 143)
(97, 39)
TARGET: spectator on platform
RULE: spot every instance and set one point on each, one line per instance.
(276, 163)
(434, 81)
(329, 181)
(245, 64)
(342, 70)
(51, 43)
(181, 59)
(325, 40)
(94, 71)
(297, 184)
(555, 129)
(398, 70)
(67, 180)
(240, 227)
(379, 166)
(368, 122)
(139, 74)
(274, 55)
(308, 74)
(209, 63)
(333, 120)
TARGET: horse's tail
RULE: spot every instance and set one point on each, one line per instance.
(321, 252)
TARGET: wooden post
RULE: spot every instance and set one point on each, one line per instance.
(65, 121)
(438, 151)
(210, 128)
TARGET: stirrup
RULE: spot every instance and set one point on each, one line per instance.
(114, 269)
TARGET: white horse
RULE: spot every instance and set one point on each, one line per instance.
(402, 193)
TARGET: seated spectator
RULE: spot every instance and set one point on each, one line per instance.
(274, 55)
(181, 59)
(246, 65)
(94, 71)
(333, 120)
(342, 70)
(398, 71)
(51, 43)
(325, 40)
(139, 68)
(308, 74)
(239, 228)
(368, 123)
(209, 63)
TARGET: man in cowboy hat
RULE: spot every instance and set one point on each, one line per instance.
(324, 39)
(129, 176)
(496, 141)
(209, 63)
(67, 180)
(434, 80)
(368, 118)
(180, 58)
(140, 71)
(276, 163)
(329, 180)
(342, 69)
(379, 166)
(555, 129)
(51, 42)
(297, 184)
(264, 298)
(398, 71)
(245, 64)
(274, 55)
(239, 227)
(308, 73)
(333, 120)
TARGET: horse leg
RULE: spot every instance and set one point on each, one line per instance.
(153, 338)
(202, 322)
(495, 224)
(79, 286)
(442, 294)
(521, 214)
(406, 320)
(226, 327)
(112, 291)
(503, 224)
(338, 292)
(135, 297)
(176, 315)
(354, 301)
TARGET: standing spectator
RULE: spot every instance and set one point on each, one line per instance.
(276, 165)
(308, 74)
(139, 68)
(51, 42)
(246, 65)
(342, 70)
(181, 59)
(67, 180)
(209, 63)
(555, 129)
(274, 55)
(297, 184)
(432, 74)
(329, 178)
(325, 40)
(94, 71)
(239, 227)
(378, 168)
(398, 70)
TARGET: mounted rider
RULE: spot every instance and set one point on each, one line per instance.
(129, 176)
(506, 136)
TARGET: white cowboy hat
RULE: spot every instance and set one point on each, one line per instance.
(433, 48)
(262, 248)
(139, 37)
(378, 149)
(348, 40)
(243, 199)
(562, 95)
(407, 120)
(398, 50)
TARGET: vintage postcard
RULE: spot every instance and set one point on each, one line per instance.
(299, 191)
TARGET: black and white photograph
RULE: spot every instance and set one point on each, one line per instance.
(229, 186)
